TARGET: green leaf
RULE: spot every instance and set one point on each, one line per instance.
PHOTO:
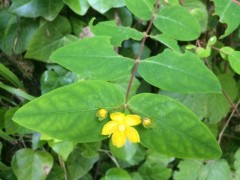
(57, 173)
(48, 9)
(49, 37)
(117, 33)
(117, 173)
(228, 13)
(15, 34)
(177, 133)
(178, 23)
(74, 106)
(93, 58)
(82, 159)
(5, 136)
(102, 5)
(63, 148)
(184, 73)
(10, 76)
(29, 164)
(234, 60)
(143, 9)
(78, 6)
(167, 41)
(237, 164)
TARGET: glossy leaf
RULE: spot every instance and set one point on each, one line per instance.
(177, 133)
(117, 173)
(29, 164)
(167, 41)
(178, 23)
(102, 5)
(69, 113)
(49, 37)
(48, 9)
(184, 73)
(143, 9)
(78, 6)
(10, 76)
(93, 58)
(228, 12)
(117, 33)
(234, 60)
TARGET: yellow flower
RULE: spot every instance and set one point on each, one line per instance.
(120, 128)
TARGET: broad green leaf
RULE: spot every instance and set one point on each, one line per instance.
(78, 6)
(12, 41)
(183, 73)
(49, 37)
(234, 60)
(56, 173)
(237, 164)
(167, 41)
(211, 107)
(48, 9)
(93, 58)
(117, 173)
(177, 130)
(10, 76)
(102, 5)
(143, 9)
(188, 170)
(29, 164)
(117, 33)
(228, 13)
(82, 159)
(178, 23)
(74, 107)
(63, 148)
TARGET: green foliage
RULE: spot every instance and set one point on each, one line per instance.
(170, 68)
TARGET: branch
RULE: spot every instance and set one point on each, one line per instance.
(141, 49)
(227, 123)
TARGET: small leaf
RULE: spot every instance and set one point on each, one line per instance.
(234, 60)
(102, 5)
(167, 41)
(184, 73)
(227, 10)
(34, 8)
(178, 132)
(78, 6)
(29, 164)
(143, 9)
(176, 17)
(117, 33)
(74, 107)
(117, 173)
(49, 37)
(93, 58)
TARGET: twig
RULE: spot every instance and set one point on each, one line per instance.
(226, 124)
(230, 102)
(141, 49)
(110, 156)
(63, 166)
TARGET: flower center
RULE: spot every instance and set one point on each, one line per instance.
(121, 127)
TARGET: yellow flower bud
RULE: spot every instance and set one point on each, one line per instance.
(102, 113)
(147, 122)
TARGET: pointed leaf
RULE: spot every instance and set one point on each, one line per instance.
(78, 6)
(184, 73)
(117, 173)
(29, 164)
(228, 12)
(177, 130)
(69, 113)
(48, 9)
(117, 33)
(143, 9)
(234, 60)
(93, 58)
(178, 23)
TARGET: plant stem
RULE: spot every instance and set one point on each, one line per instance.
(137, 61)
(227, 123)
(110, 156)
(63, 166)
(237, 2)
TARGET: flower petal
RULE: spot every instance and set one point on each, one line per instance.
(117, 116)
(132, 135)
(132, 120)
(109, 127)
(118, 138)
